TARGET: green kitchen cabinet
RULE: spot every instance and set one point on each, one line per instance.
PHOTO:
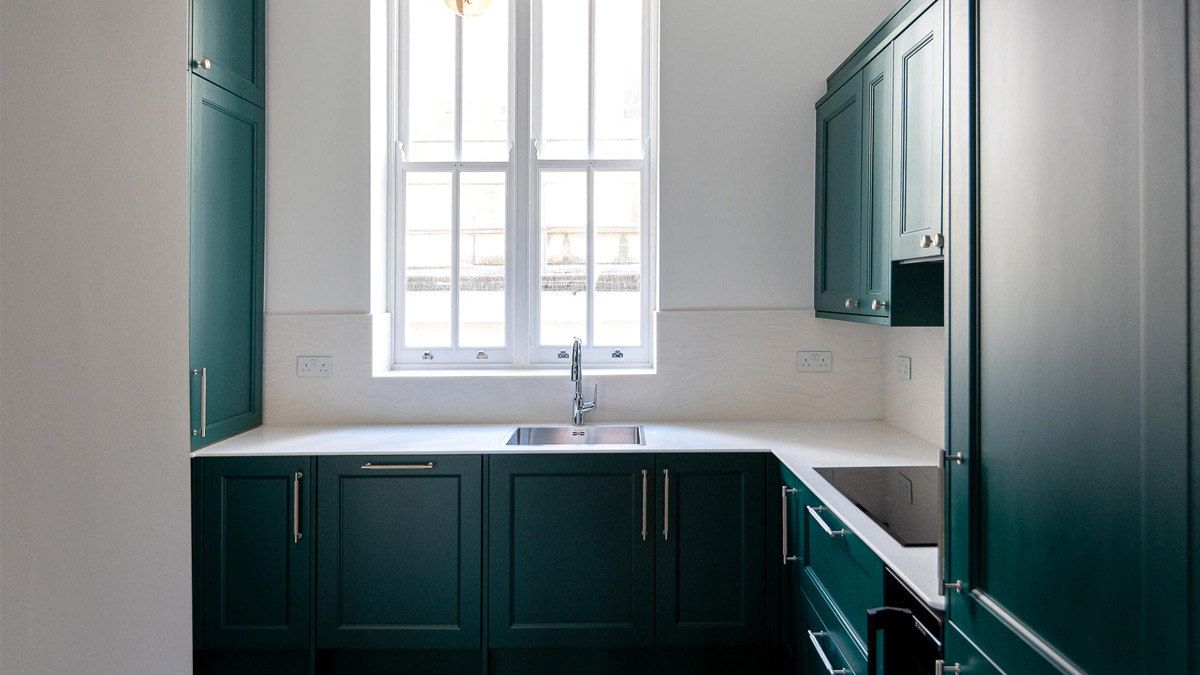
(793, 621)
(229, 46)
(255, 552)
(916, 173)
(1073, 397)
(399, 552)
(571, 550)
(875, 297)
(710, 563)
(839, 236)
(227, 175)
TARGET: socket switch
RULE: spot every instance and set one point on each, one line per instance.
(314, 366)
(814, 362)
(904, 367)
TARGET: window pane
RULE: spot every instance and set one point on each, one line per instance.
(619, 79)
(564, 79)
(431, 80)
(481, 255)
(618, 207)
(564, 257)
(427, 218)
(485, 85)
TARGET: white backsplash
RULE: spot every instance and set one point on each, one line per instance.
(917, 406)
(712, 365)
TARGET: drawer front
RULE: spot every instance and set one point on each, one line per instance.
(825, 649)
(848, 572)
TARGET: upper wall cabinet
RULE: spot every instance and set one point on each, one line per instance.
(229, 46)
(878, 177)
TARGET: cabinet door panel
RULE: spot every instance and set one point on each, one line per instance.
(711, 559)
(231, 34)
(839, 200)
(917, 153)
(877, 184)
(568, 563)
(226, 263)
(400, 552)
(255, 574)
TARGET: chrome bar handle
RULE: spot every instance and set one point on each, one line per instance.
(397, 467)
(666, 503)
(821, 653)
(296, 534)
(203, 431)
(783, 495)
(814, 512)
(644, 488)
(940, 667)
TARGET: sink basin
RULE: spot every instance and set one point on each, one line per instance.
(616, 435)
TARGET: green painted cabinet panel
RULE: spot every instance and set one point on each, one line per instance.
(226, 263)
(838, 264)
(229, 46)
(877, 185)
(710, 563)
(399, 552)
(917, 138)
(571, 550)
(255, 548)
(792, 615)
(961, 653)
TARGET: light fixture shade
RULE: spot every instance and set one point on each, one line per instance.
(468, 7)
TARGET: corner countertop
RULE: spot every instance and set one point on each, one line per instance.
(801, 446)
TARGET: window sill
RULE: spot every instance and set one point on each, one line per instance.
(554, 373)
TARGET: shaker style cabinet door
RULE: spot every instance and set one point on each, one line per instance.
(229, 46)
(226, 263)
(917, 138)
(710, 564)
(256, 539)
(877, 185)
(399, 561)
(571, 550)
(839, 168)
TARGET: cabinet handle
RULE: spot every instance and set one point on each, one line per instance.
(783, 495)
(851, 303)
(202, 63)
(203, 430)
(296, 534)
(940, 667)
(644, 488)
(926, 241)
(814, 512)
(816, 642)
(877, 305)
(666, 503)
(397, 467)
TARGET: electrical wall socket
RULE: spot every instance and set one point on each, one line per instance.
(314, 366)
(814, 362)
(904, 367)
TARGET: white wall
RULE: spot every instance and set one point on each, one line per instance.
(917, 405)
(739, 80)
(94, 525)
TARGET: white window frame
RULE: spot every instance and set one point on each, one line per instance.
(522, 231)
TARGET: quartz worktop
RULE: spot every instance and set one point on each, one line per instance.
(801, 446)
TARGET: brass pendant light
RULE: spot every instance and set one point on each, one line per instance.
(468, 8)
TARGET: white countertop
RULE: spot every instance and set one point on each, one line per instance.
(801, 446)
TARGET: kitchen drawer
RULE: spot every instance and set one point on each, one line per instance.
(849, 573)
(826, 634)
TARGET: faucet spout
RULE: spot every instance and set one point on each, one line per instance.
(580, 407)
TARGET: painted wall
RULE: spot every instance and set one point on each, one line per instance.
(94, 524)
(739, 80)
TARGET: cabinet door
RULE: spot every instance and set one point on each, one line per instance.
(571, 551)
(792, 561)
(229, 45)
(226, 257)
(917, 142)
(877, 185)
(838, 261)
(710, 566)
(1068, 516)
(399, 558)
(255, 549)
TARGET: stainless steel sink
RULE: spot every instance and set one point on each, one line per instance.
(616, 435)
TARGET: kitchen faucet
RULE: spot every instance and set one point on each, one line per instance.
(580, 407)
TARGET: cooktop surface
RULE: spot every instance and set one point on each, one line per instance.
(904, 500)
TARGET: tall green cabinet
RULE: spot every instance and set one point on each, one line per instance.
(1072, 374)
(227, 166)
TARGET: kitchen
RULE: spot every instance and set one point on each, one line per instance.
(803, 279)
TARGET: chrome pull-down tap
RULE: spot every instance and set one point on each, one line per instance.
(580, 407)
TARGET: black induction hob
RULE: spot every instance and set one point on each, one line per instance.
(904, 500)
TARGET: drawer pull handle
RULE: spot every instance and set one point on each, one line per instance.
(297, 535)
(645, 482)
(666, 503)
(816, 642)
(397, 467)
(814, 512)
(784, 491)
